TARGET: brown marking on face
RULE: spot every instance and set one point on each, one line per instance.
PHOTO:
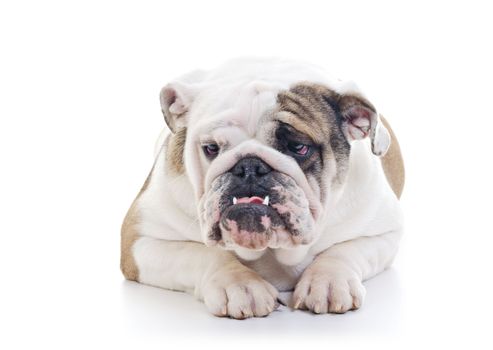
(392, 163)
(130, 234)
(306, 110)
(312, 109)
(174, 151)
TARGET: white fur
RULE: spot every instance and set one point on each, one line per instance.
(357, 232)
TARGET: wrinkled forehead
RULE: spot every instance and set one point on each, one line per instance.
(237, 106)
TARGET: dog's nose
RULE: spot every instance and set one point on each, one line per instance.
(251, 168)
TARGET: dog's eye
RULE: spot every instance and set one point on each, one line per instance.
(298, 148)
(211, 150)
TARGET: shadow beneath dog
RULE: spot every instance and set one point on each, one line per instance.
(156, 312)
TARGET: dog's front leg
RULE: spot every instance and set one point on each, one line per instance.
(215, 276)
(333, 281)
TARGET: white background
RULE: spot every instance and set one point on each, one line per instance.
(79, 111)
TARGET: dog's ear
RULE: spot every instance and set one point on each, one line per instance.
(177, 97)
(360, 120)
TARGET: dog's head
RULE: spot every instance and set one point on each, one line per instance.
(267, 150)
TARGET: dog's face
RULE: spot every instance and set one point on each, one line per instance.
(267, 161)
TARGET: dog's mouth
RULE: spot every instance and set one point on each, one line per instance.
(257, 222)
(251, 200)
(259, 216)
(250, 222)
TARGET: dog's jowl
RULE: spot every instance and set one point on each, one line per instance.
(268, 177)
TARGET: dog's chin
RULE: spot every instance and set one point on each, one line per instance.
(256, 227)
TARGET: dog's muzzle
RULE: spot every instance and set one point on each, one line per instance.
(255, 207)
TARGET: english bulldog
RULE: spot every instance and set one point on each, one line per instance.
(270, 176)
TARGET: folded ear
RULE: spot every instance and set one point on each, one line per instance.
(361, 120)
(176, 99)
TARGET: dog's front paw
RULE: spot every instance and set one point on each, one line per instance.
(323, 290)
(239, 293)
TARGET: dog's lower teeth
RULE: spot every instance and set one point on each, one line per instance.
(253, 199)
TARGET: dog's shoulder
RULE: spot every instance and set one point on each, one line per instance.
(367, 206)
(168, 194)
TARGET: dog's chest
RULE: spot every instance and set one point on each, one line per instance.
(283, 277)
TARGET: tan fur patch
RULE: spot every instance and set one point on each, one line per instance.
(174, 151)
(314, 133)
(175, 145)
(129, 235)
(304, 107)
(311, 109)
(393, 164)
(305, 110)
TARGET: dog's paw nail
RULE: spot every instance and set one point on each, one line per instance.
(297, 303)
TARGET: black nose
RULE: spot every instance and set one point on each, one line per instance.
(250, 168)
